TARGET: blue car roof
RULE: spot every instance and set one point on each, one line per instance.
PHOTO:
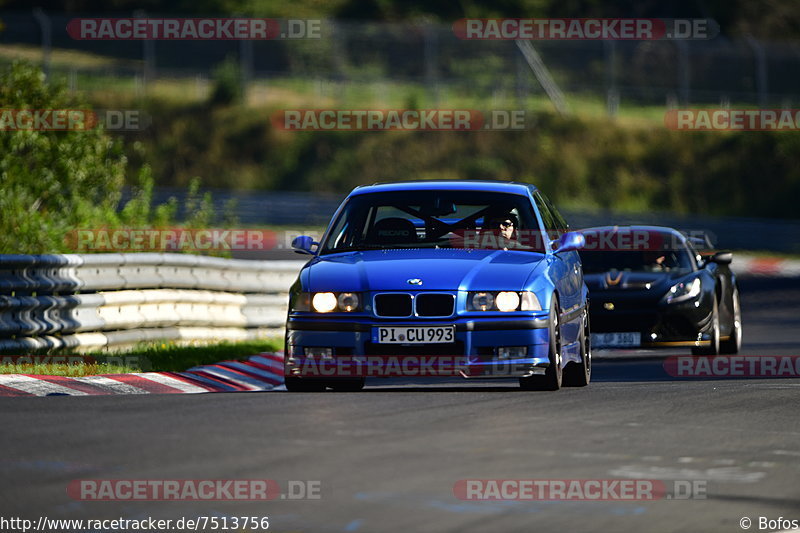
(451, 185)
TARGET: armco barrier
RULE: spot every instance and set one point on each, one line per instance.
(113, 300)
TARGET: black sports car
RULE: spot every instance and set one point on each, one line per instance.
(649, 287)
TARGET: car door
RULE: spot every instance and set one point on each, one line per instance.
(566, 265)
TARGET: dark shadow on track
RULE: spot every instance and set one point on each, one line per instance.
(629, 370)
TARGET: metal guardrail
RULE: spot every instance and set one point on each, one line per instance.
(112, 300)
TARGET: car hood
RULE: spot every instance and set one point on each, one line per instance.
(620, 281)
(439, 269)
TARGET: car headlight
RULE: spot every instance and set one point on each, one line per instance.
(324, 302)
(483, 301)
(348, 301)
(683, 291)
(300, 301)
(504, 301)
(507, 301)
(530, 302)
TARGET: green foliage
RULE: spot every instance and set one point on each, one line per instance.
(200, 209)
(592, 163)
(52, 183)
(227, 83)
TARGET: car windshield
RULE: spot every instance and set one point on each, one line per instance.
(435, 219)
(598, 261)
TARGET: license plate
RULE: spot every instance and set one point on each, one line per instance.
(627, 339)
(413, 334)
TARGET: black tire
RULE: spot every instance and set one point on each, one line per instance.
(552, 378)
(579, 374)
(294, 384)
(713, 349)
(346, 384)
(733, 343)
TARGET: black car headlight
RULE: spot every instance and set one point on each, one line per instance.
(504, 301)
(326, 302)
(299, 301)
(347, 301)
(680, 292)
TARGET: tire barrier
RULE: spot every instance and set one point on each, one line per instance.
(112, 300)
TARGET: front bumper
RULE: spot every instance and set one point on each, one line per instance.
(661, 325)
(473, 354)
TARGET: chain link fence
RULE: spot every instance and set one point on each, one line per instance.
(429, 58)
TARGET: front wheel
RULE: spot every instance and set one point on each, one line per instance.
(551, 380)
(733, 343)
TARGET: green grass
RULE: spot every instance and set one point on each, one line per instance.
(145, 357)
(93, 75)
(170, 357)
(67, 370)
(65, 58)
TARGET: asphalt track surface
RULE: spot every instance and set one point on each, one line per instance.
(387, 459)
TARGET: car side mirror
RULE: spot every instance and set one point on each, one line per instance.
(572, 240)
(304, 245)
(722, 258)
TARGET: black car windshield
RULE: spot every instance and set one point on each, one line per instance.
(435, 219)
(599, 261)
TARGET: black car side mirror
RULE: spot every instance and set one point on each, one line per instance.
(722, 258)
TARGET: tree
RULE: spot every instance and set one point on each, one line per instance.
(52, 181)
(55, 182)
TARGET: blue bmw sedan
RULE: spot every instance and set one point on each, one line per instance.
(479, 279)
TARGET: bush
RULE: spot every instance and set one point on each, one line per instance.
(227, 83)
(54, 182)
